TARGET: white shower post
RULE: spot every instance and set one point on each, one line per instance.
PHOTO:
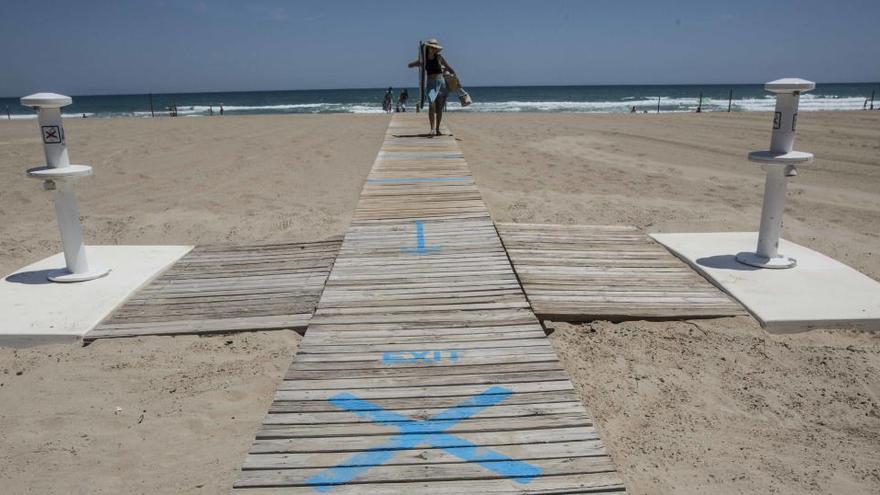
(59, 176)
(779, 163)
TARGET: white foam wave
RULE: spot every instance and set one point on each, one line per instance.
(29, 116)
(242, 108)
(809, 102)
(577, 106)
(201, 110)
(765, 104)
(365, 109)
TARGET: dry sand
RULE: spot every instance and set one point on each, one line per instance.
(681, 173)
(190, 180)
(710, 406)
(145, 415)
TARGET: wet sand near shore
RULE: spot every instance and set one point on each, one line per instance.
(708, 406)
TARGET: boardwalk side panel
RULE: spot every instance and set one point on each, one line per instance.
(607, 272)
(216, 288)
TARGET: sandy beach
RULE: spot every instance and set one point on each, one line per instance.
(709, 406)
(191, 180)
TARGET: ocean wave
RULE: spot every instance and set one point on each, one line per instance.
(667, 104)
(29, 116)
(201, 110)
(808, 103)
(766, 103)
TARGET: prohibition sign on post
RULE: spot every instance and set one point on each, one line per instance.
(52, 134)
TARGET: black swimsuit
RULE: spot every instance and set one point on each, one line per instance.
(432, 66)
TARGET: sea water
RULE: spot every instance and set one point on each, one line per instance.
(672, 98)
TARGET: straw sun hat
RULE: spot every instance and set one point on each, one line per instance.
(433, 43)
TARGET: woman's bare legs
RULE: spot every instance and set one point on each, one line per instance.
(440, 102)
(431, 116)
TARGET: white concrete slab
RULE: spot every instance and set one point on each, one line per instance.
(34, 310)
(819, 293)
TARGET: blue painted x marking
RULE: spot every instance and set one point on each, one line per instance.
(429, 432)
(420, 241)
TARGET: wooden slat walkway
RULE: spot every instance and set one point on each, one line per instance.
(607, 272)
(423, 370)
(228, 288)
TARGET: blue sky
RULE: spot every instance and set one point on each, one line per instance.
(112, 47)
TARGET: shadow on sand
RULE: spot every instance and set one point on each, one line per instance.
(36, 277)
(425, 135)
(725, 262)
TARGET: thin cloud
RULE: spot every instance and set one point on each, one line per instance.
(276, 14)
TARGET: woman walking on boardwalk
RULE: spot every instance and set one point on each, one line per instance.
(435, 66)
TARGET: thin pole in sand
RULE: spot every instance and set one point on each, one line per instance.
(729, 100)
(700, 104)
(658, 104)
(151, 106)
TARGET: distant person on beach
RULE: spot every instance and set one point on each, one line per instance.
(221, 109)
(435, 86)
(386, 102)
(401, 100)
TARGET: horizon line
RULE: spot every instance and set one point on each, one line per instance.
(470, 87)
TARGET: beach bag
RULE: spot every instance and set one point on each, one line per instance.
(464, 98)
(452, 82)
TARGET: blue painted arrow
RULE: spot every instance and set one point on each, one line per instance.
(420, 241)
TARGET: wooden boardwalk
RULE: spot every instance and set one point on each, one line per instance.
(609, 272)
(228, 288)
(423, 370)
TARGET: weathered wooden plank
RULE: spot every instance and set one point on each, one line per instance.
(292, 322)
(423, 381)
(396, 404)
(583, 448)
(292, 425)
(447, 317)
(425, 472)
(556, 485)
(587, 272)
(559, 396)
(373, 362)
(413, 392)
(359, 443)
(393, 333)
(355, 338)
(228, 288)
